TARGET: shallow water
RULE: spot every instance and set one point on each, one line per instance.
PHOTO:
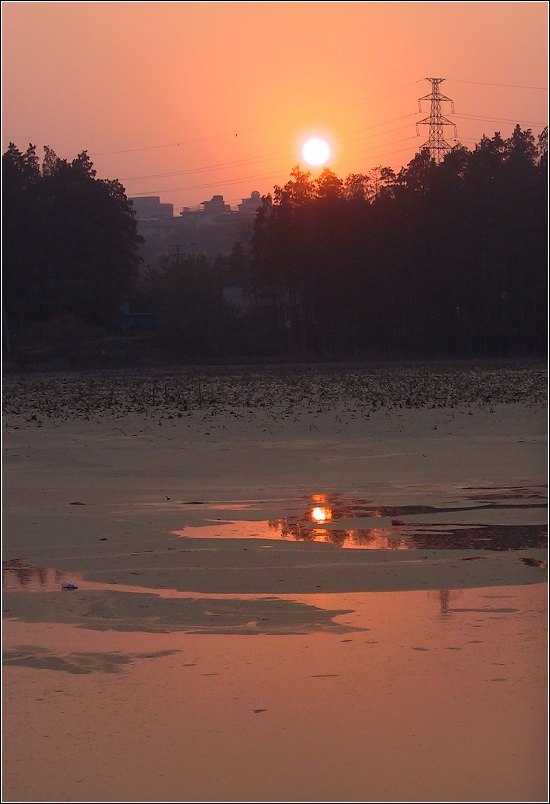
(484, 519)
(421, 696)
(116, 691)
(425, 537)
(401, 529)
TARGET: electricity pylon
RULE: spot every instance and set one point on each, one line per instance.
(437, 144)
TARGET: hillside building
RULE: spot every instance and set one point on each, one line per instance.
(150, 208)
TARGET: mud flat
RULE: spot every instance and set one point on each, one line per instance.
(322, 583)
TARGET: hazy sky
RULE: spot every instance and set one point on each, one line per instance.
(187, 100)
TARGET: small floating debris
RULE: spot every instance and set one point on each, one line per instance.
(77, 503)
(397, 522)
(69, 586)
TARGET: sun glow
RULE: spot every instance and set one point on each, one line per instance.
(315, 152)
(321, 514)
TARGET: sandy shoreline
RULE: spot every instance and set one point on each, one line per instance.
(179, 514)
(104, 491)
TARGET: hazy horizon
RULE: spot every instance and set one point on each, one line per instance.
(188, 100)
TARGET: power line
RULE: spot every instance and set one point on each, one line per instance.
(389, 93)
(135, 150)
(499, 120)
(487, 84)
(275, 176)
(436, 121)
(264, 176)
(266, 157)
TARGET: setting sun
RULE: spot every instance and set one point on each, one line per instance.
(315, 152)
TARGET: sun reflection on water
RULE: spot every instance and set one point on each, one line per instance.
(321, 514)
(321, 518)
(370, 538)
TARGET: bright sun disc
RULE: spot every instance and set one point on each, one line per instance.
(315, 152)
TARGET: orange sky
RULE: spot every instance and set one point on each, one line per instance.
(188, 100)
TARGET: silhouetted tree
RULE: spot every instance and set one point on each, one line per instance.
(186, 295)
(443, 259)
(357, 187)
(23, 281)
(70, 240)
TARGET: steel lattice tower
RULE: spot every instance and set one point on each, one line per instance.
(437, 144)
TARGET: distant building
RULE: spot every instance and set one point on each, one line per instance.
(212, 213)
(250, 206)
(215, 206)
(149, 208)
(198, 217)
(211, 228)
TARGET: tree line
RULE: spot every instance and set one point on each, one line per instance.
(444, 259)
(436, 260)
(71, 252)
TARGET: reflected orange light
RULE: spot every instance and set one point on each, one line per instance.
(318, 535)
(321, 514)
